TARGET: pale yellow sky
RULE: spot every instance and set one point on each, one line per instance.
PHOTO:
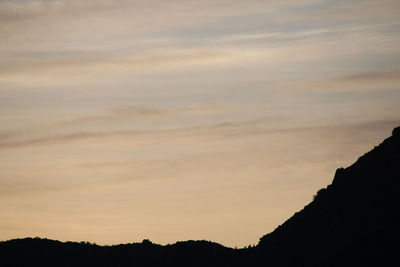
(176, 120)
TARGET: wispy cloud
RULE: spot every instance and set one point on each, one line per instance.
(220, 130)
(42, 133)
(84, 68)
(29, 9)
(376, 80)
(132, 112)
(385, 76)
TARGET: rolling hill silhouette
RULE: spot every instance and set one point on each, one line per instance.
(352, 222)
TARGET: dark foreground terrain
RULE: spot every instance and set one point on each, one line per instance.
(352, 222)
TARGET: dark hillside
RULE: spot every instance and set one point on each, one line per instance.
(354, 221)
(45, 252)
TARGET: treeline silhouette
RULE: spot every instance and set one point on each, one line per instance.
(45, 252)
(352, 222)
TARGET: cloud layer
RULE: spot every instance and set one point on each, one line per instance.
(207, 117)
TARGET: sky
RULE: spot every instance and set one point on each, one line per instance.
(185, 120)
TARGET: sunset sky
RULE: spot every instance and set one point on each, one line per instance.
(176, 120)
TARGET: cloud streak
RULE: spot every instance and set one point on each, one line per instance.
(376, 80)
(220, 130)
(133, 114)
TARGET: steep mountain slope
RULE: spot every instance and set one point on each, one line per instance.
(352, 222)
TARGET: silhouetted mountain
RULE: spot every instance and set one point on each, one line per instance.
(352, 222)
